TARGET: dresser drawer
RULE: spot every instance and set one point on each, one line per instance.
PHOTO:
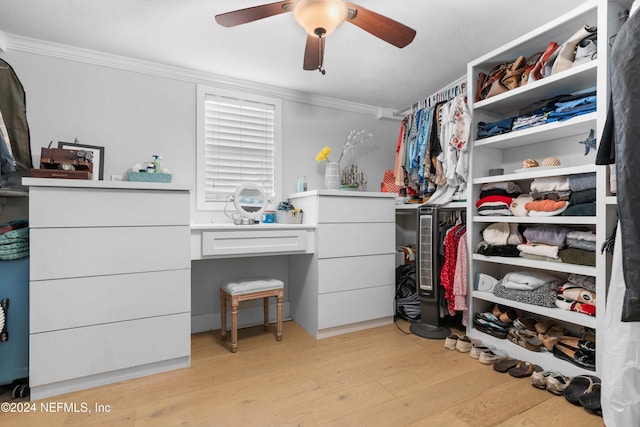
(80, 352)
(359, 305)
(356, 209)
(340, 240)
(87, 301)
(342, 274)
(90, 207)
(58, 253)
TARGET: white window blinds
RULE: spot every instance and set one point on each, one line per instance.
(239, 145)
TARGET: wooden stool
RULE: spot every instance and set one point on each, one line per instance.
(245, 291)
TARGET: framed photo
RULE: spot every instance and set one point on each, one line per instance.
(98, 156)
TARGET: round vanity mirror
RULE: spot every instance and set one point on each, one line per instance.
(250, 201)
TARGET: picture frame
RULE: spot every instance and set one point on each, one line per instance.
(98, 156)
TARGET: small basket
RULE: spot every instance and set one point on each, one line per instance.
(289, 217)
(149, 177)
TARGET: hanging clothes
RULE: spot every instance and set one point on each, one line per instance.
(447, 275)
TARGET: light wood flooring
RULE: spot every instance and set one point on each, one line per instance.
(378, 377)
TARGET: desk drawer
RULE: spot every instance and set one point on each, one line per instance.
(252, 242)
(86, 301)
(343, 274)
(359, 305)
(340, 240)
(80, 352)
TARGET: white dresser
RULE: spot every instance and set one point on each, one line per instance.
(110, 282)
(348, 283)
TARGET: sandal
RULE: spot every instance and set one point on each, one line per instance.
(524, 339)
(591, 399)
(505, 364)
(524, 369)
(578, 386)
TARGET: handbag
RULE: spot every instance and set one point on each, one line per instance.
(537, 72)
(491, 84)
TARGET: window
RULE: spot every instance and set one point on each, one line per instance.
(238, 142)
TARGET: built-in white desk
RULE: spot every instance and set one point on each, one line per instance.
(345, 280)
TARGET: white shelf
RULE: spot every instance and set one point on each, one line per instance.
(576, 79)
(612, 200)
(541, 265)
(536, 173)
(575, 220)
(579, 125)
(579, 319)
(544, 359)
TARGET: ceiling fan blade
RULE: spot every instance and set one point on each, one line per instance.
(380, 26)
(314, 53)
(250, 14)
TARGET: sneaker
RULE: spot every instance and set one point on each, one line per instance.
(451, 341)
(476, 349)
(489, 357)
(464, 344)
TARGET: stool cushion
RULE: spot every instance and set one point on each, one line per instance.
(247, 286)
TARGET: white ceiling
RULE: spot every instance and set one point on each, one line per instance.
(360, 68)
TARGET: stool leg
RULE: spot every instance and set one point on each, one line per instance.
(234, 324)
(279, 298)
(265, 304)
(223, 315)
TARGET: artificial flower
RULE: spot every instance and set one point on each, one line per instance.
(323, 154)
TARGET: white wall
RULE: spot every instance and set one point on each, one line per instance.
(135, 115)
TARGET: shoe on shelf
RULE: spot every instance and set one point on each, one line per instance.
(575, 343)
(525, 323)
(544, 326)
(583, 359)
(524, 338)
(551, 337)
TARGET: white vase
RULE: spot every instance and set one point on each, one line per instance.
(332, 176)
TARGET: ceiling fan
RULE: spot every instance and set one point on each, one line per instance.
(319, 18)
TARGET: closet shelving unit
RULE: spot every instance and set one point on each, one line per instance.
(559, 139)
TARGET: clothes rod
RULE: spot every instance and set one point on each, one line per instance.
(460, 82)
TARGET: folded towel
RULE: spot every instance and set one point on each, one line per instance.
(583, 209)
(577, 256)
(539, 249)
(551, 195)
(583, 181)
(584, 196)
(549, 213)
(544, 205)
(548, 234)
(538, 257)
(527, 280)
(493, 199)
(544, 296)
(582, 235)
(509, 186)
(554, 183)
(581, 244)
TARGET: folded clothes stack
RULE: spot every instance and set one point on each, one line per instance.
(500, 239)
(496, 197)
(14, 240)
(529, 287)
(578, 294)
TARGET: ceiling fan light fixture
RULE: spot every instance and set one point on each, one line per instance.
(320, 17)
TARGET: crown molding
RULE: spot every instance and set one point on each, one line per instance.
(88, 56)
